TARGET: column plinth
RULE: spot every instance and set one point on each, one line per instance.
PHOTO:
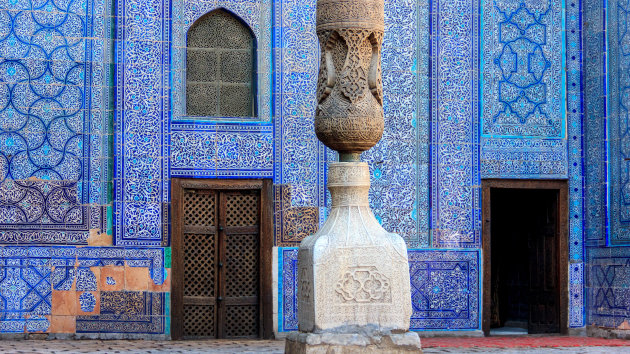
(353, 277)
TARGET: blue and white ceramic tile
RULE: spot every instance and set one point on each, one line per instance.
(53, 121)
(523, 124)
(444, 289)
(618, 122)
(455, 201)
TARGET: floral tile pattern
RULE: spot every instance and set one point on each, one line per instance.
(444, 289)
(473, 89)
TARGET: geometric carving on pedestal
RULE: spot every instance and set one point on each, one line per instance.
(363, 285)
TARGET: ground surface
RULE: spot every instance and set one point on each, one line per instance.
(530, 344)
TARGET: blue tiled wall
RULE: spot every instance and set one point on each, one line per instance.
(93, 127)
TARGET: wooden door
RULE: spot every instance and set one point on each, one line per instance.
(239, 225)
(543, 269)
(219, 290)
(201, 259)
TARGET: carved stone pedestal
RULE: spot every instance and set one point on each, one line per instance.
(353, 281)
(307, 343)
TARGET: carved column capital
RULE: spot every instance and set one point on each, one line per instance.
(349, 116)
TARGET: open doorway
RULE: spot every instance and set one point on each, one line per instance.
(525, 260)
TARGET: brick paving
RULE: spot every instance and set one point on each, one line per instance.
(526, 344)
(522, 342)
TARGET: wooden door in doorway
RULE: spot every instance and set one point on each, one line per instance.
(217, 249)
(544, 289)
(525, 241)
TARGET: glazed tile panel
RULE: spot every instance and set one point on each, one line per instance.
(399, 163)
(221, 150)
(299, 158)
(455, 200)
(595, 121)
(141, 178)
(127, 312)
(607, 286)
(523, 124)
(53, 121)
(445, 291)
(618, 12)
(41, 287)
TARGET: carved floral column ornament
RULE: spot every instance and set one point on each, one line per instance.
(354, 293)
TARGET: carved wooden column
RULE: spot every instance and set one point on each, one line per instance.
(353, 276)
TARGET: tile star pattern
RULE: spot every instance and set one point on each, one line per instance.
(28, 276)
(53, 121)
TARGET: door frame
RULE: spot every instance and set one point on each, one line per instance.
(562, 239)
(266, 246)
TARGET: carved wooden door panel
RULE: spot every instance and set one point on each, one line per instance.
(543, 269)
(200, 263)
(217, 240)
(238, 266)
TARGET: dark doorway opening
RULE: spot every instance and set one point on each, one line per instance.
(524, 257)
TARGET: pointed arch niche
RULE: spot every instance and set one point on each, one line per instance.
(221, 61)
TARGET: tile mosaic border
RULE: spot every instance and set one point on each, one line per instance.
(455, 181)
(141, 169)
(575, 126)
